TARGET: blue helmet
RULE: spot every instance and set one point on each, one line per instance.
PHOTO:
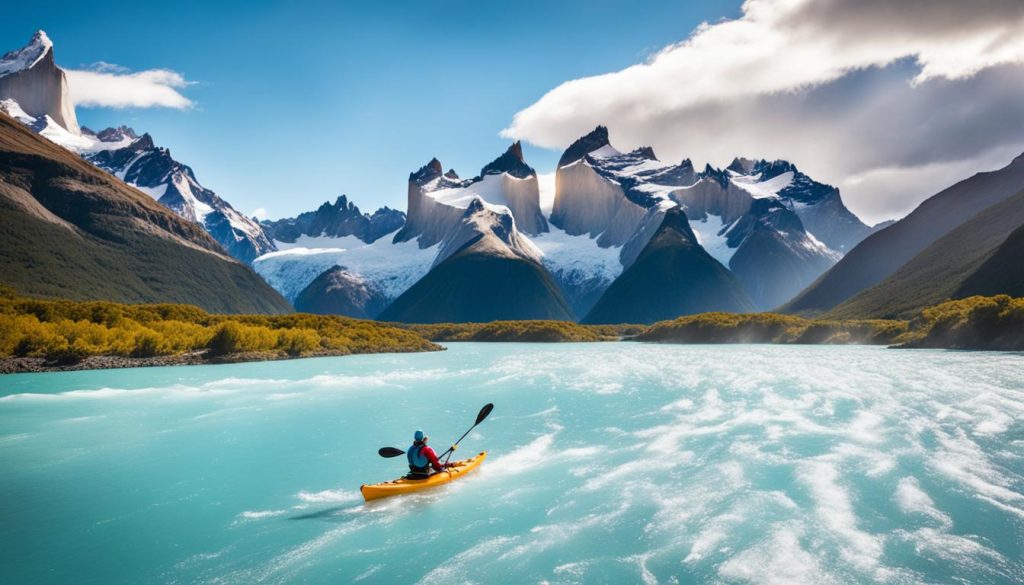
(418, 436)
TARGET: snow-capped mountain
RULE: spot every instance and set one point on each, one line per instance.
(747, 216)
(745, 236)
(33, 90)
(673, 275)
(31, 78)
(152, 170)
(436, 200)
(338, 220)
(485, 270)
(446, 216)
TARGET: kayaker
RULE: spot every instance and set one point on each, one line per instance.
(422, 457)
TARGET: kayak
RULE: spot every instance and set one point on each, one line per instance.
(402, 485)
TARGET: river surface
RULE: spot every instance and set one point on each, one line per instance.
(608, 463)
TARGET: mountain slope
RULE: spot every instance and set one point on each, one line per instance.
(672, 276)
(936, 274)
(884, 252)
(152, 170)
(33, 90)
(1001, 273)
(776, 258)
(338, 291)
(71, 230)
(486, 271)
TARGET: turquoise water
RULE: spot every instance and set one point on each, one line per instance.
(608, 463)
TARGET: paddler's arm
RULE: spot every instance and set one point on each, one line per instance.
(432, 458)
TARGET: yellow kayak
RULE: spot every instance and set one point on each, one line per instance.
(406, 486)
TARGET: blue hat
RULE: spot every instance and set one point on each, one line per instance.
(418, 436)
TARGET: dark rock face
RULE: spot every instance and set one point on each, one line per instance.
(510, 162)
(485, 271)
(173, 184)
(116, 134)
(471, 287)
(773, 259)
(644, 152)
(427, 172)
(672, 276)
(340, 292)
(342, 218)
(597, 138)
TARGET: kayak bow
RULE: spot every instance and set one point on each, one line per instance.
(405, 486)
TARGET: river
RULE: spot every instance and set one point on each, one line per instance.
(609, 462)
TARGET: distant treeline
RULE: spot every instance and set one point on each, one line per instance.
(528, 331)
(771, 328)
(69, 331)
(66, 332)
(972, 323)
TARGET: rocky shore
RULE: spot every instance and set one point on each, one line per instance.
(18, 365)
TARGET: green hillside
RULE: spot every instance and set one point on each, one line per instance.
(70, 230)
(938, 273)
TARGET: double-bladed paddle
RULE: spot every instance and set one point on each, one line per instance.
(486, 410)
(388, 452)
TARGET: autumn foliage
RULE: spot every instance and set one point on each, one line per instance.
(68, 331)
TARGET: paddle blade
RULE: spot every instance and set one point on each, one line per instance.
(486, 410)
(390, 452)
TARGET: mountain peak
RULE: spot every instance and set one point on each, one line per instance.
(645, 152)
(427, 172)
(26, 57)
(40, 38)
(342, 202)
(475, 206)
(741, 165)
(597, 138)
(516, 150)
(144, 142)
(115, 134)
(511, 162)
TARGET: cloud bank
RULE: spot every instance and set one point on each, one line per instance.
(110, 86)
(891, 101)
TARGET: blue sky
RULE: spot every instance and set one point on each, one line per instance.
(298, 103)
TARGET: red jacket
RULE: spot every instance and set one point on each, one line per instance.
(431, 457)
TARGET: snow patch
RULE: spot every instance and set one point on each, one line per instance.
(577, 257)
(26, 57)
(711, 234)
(606, 151)
(763, 189)
(392, 267)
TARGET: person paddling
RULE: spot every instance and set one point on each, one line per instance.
(422, 457)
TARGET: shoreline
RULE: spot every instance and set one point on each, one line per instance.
(39, 365)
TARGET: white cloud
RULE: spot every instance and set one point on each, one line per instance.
(106, 85)
(849, 90)
(259, 213)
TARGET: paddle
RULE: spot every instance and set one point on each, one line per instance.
(388, 452)
(486, 410)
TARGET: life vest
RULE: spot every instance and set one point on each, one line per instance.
(419, 465)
